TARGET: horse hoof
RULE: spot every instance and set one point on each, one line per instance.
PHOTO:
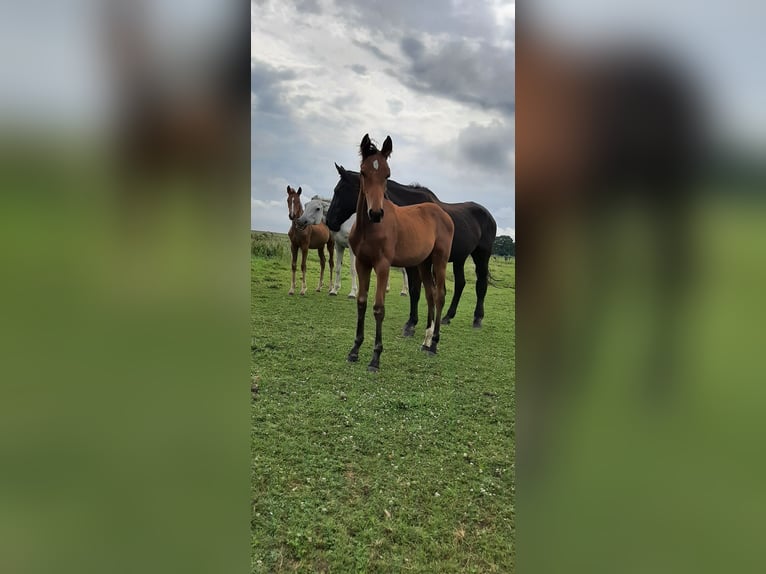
(353, 358)
(476, 323)
(446, 320)
(351, 296)
(408, 331)
(372, 369)
(333, 294)
(403, 294)
(291, 292)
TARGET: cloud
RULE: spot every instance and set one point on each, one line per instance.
(395, 106)
(373, 49)
(489, 146)
(344, 72)
(510, 231)
(267, 86)
(474, 72)
(310, 6)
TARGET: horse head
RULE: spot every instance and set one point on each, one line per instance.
(294, 205)
(373, 175)
(343, 204)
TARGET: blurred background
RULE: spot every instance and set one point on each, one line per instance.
(640, 135)
(124, 230)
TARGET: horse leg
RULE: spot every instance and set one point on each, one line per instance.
(335, 287)
(294, 252)
(361, 308)
(413, 278)
(440, 294)
(458, 267)
(322, 260)
(331, 256)
(379, 310)
(405, 288)
(352, 259)
(388, 283)
(481, 260)
(424, 269)
(304, 254)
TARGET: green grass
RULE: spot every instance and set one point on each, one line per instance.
(410, 469)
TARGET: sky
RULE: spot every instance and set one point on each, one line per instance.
(436, 76)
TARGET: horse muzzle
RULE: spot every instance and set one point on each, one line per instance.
(375, 216)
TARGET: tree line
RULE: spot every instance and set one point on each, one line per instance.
(504, 246)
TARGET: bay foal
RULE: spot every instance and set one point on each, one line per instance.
(384, 235)
(305, 237)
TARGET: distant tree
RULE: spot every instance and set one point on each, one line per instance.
(504, 246)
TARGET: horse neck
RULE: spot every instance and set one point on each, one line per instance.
(361, 202)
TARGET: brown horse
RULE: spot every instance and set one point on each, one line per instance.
(304, 238)
(416, 235)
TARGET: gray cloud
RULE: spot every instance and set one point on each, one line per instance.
(310, 6)
(395, 106)
(265, 84)
(359, 69)
(394, 17)
(488, 147)
(373, 49)
(474, 73)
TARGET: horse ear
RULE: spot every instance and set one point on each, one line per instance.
(365, 142)
(388, 147)
(288, 190)
(340, 169)
(299, 190)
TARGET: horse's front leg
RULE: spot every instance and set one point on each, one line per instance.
(304, 254)
(294, 253)
(361, 308)
(379, 310)
(331, 257)
(321, 267)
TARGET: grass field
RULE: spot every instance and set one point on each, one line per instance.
(407, 470)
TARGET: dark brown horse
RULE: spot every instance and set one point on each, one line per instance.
(304, 238)
(384, 235)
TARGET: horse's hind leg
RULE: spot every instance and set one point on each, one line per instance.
(304, 254)
(458, 267)
(379, 309)
(481, 259)
(321, 267)
(428, 284)
(413, 278)
(440, 294)
(405, 286)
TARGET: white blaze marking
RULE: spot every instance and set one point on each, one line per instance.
(375, 164)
